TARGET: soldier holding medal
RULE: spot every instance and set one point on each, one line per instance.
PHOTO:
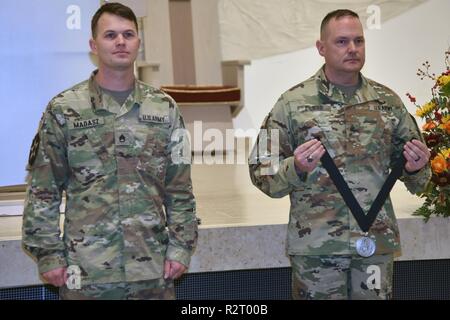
(344, 140)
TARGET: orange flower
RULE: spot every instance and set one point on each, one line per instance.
(429, 125)
(447, 127)
(439, 164)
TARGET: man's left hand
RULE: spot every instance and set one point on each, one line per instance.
(173, 269)
(416, 154)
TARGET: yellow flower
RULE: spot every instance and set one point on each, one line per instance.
(445, 123)
(443, 80)
(446, 153)
(437, 134)
(426, 109)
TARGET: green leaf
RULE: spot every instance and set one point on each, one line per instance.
(445, 90)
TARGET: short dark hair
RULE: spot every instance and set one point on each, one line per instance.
(115, 8)
(337, 14)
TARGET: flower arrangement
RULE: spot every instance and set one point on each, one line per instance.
(436, 132)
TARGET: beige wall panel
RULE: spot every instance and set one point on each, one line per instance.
(208, 57)
(182, 42)
(158, 47)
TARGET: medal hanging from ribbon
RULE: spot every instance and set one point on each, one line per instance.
(364, 245)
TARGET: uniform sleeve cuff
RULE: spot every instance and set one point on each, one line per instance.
(50, 262)
(417, 181)
(182, 256)
(407, 173)
(295, 178)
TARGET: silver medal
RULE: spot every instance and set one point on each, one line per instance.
(365, 247)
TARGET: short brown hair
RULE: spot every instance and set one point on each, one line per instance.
(337, 14)
(115, 8)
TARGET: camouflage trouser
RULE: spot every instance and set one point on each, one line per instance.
(158, 289)
(342, 277)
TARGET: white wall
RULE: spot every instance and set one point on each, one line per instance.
(45, 50)
(393, 55)
(255, 29)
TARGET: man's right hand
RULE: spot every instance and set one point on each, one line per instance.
(308, 154)
(56, 277)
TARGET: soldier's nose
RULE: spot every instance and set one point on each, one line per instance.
(120, 40)
(351, 46)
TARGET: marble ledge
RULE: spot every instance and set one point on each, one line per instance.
(245, 248)
(256, 247)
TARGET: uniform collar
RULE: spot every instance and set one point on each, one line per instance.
(330, 93)
(97, 97)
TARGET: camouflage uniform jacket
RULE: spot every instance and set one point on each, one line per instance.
(118, 174)
(363, 134)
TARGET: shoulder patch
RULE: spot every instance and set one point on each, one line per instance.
(36, 141)
(34, 149)
(60, 118)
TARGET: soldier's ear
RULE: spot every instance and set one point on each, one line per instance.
(93, 46)
(320, 47)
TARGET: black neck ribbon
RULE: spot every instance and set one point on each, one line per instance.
(364, 221)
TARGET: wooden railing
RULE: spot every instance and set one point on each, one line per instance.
(13, 192)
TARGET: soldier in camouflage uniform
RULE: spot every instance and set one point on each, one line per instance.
(109, 143)
(365, 128)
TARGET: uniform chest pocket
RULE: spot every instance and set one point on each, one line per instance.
(364, 130)
(88, 155)
(154, 156)
(327, 126)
